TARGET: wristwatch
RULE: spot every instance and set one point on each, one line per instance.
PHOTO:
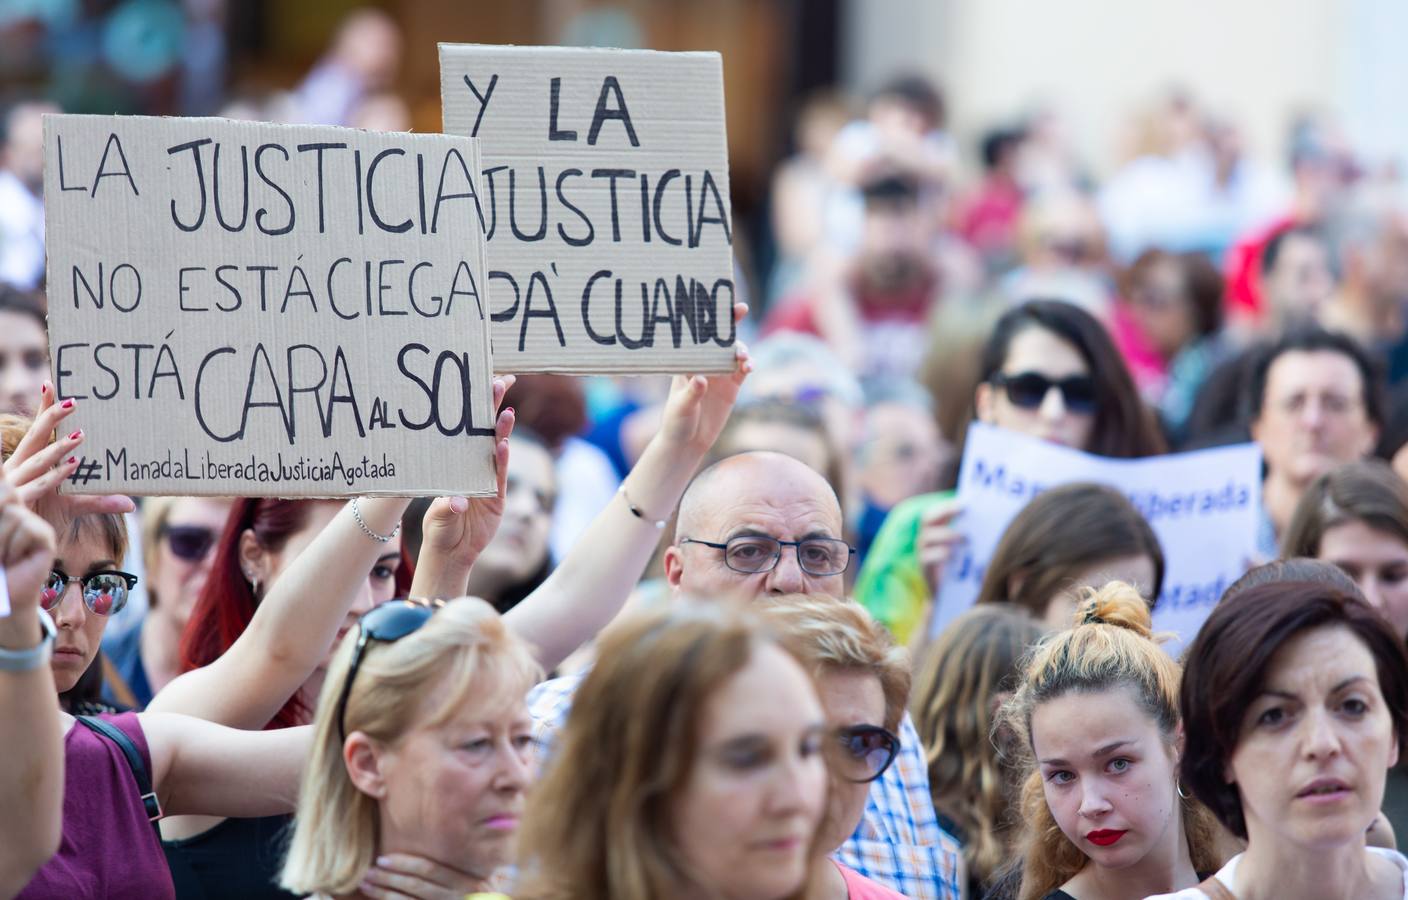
(35, 657)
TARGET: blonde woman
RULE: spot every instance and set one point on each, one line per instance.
(863, 679)
(691, 767)
(420, 747)
(1097, 708)
(969, 672)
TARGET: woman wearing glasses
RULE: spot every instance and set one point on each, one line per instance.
(420, 746)
(178, 534)
(1050, 371)
(692, 766)
(1097, 712)
(121, 772)
(863, 680)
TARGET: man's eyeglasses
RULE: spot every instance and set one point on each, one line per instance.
(386, 622)
(751, 554)
(862, 753)
(105, 593)
(1028, 390)
(189, 543)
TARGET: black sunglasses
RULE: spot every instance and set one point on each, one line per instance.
(105, 593)
(386, 622)
(190, 543)
(862, 753)
(1028, 390)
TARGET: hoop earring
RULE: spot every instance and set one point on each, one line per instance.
(1178, 786)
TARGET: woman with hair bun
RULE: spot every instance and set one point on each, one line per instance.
(1097, 710)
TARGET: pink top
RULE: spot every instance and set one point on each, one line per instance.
(858, 887)
(109, 849)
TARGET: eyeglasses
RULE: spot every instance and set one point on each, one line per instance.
(1028, 390)
(104, 593)
(751, 554)
(387, 622)
(190, 543)
(862, 753)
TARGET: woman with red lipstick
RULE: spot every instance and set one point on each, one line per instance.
(1097, 709)
(1296, 705)
(420, 747)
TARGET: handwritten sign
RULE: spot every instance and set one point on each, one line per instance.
(1203, 506)
(268, 310)
(604, 203)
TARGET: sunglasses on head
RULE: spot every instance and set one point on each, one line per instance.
(190, 543)
(862, 753)
(386, 622)
(105, 593)
(1028, 390)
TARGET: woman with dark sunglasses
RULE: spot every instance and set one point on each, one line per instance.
(862, 679)
(1049, 370)
(1096, 718)
(178, 535)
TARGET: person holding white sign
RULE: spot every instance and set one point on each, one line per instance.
(1097, 713)
(1049, 370)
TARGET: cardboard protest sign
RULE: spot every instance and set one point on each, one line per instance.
(1204, 507)
(604, 203)
(268, 310)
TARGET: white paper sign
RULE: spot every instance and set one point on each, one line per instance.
(1204, 507)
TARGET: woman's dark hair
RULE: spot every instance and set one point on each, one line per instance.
(1123, 427)
(1366, 491)
(24, 303)
(1205, 287)
(1058, 535)
(1317, 340)
(1202, 284)
(1298, 568)
(1226, 669)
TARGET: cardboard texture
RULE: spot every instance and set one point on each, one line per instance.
(605, 203)
(268, 310)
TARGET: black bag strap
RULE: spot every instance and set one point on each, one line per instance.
(150, 803)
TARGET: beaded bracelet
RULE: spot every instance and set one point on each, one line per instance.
(636, 511)
(379, 538)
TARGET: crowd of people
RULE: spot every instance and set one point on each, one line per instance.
(688, 649)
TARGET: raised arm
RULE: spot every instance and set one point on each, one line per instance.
(594, 580)
(200, 768)
(32, 777)
(295, 625)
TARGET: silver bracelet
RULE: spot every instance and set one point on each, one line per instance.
(35, 657)
(379, 538)
(636, 511)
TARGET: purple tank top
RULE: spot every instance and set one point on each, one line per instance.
(109, 849)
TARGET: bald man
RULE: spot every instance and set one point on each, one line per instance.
(762, 524)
